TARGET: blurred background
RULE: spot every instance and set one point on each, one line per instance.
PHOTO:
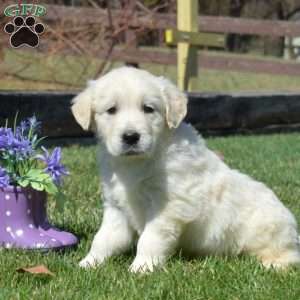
(85, 38)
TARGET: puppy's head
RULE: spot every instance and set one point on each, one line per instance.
(130, 109)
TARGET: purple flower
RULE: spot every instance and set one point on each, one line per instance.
(33, 123)
(6, 137)
(17, 146)
(4, 178)
(54, 167)
(22, 148)
(23, 129)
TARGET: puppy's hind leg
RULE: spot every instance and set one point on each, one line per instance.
(114, 237)
(282, 256)
(282, 260)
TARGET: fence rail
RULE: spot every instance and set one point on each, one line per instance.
(205, 60)
(85, 15)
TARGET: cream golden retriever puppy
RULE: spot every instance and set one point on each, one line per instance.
(163, 185)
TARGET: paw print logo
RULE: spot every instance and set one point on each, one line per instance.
(24, 32)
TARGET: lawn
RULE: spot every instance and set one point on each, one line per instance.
(273, 159)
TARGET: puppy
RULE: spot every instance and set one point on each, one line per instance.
(163, 185)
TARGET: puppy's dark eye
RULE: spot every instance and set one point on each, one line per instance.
(112, 110)
(148, 109)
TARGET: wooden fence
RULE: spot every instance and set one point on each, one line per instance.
(209, 24)
(159, 21)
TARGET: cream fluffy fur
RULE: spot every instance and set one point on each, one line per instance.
(169, 189)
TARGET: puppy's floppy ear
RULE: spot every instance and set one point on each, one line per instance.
(82, 108)
(175, 102)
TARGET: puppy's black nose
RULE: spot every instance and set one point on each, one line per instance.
(131, 138)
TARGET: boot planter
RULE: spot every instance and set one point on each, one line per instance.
(67, 239)
(27, 173)
(24, 223)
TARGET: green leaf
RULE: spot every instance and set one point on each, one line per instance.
(37, 186)
(50, 187)
(40, 181)
(38, 141)
(23, 182)
(15, 121)
(35, 173)
(44, 176)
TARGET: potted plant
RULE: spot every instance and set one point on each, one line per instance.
(28, 172)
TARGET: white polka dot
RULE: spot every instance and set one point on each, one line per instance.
(53, 240)
(8, 229)
(19, 232)
(31, 226)
(7, 245)
(7, 197)
(29, 196)
(42, 234)
(8, 213)
(28, 211)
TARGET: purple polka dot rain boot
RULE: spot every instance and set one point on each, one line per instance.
(17, 225)
(40, 216)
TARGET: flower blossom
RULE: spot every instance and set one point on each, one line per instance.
(4, 178)
(53, 166)
(19, 147)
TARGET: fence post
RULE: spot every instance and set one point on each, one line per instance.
(187, 66)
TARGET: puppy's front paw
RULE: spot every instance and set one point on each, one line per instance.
(141, 266)
(90, 261)
(145, 264)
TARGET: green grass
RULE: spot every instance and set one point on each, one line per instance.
(69, 72)
(273, 159)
